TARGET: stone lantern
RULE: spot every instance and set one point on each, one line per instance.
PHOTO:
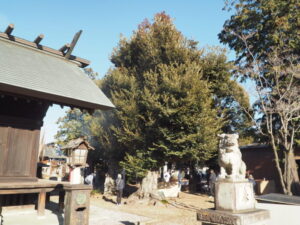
(77, 151)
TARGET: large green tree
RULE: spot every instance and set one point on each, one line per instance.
(171, 99)
(265, 24)
(265, 36)
(170, 118)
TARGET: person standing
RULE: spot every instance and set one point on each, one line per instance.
(179, 178)
(119, 188)
(167, 176)
(89, 180)
(252, 181)
(211, 182)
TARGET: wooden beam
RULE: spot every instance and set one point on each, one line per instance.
(83, 62)
(9, 29)
(73, 43)
(38, 39)
(29, 43)
(19, 191)
(64, 48)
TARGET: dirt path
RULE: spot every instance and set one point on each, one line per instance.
(181, 210)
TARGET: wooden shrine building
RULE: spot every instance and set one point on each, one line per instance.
(32, 78)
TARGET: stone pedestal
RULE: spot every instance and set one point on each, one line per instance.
(217, 217)
(234, 196)
(234, 205)
(77, 204)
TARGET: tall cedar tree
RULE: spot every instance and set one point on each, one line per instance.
(170, 97)
(171, 100)
(266, 38)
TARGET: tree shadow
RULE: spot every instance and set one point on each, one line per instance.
(129, 189)
(1, 216)
(127, 223)
(105, 198)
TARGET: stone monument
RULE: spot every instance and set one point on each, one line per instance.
(234, 196)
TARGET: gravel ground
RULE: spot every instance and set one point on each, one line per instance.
(98, 216)
(182, 211)
(102, 216)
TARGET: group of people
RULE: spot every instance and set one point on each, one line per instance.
(119, 184)
(182, 176)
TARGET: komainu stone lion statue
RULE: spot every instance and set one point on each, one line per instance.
(230, 158)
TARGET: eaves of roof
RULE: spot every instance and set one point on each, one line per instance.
(35, 73)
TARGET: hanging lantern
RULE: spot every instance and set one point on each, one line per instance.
(77, 151)
(77, 157)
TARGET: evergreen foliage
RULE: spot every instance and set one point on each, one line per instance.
(266, 24)
(73, 125)
(171, 99)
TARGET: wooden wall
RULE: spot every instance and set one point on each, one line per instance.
(18, 153)
(20, 123)
(260, 162)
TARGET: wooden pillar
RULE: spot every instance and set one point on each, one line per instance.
(41, 202)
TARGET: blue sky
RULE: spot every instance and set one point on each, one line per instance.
(103, 22)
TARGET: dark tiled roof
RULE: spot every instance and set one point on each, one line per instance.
(75, 143)
(36, 73)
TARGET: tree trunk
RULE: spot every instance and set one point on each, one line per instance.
(149, 185)
(147, 192)
(288, 177)
(293, 185)
(278, 167)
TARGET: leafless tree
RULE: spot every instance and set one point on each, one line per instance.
(276, 113)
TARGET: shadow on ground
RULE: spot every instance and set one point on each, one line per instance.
(53, 207)
(105, 198)
(127, 223)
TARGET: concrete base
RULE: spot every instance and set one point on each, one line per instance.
(217, 217)
(234, 196)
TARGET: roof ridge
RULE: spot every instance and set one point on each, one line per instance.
(43, 48)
